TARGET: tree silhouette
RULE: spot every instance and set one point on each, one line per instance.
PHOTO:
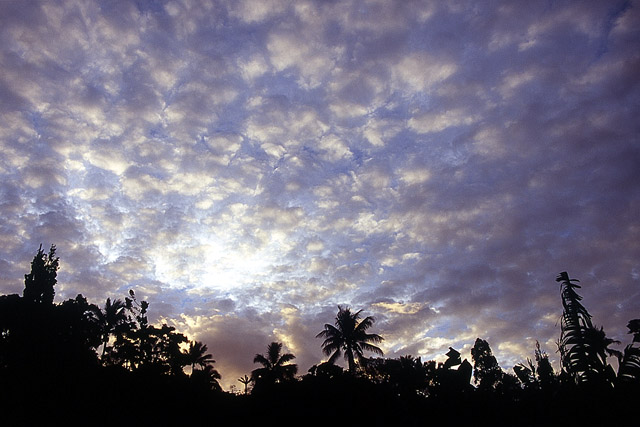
(245, 380)
(406, 376)
(575, 320)
(39, 283)
(147, 347)
(138, 309)
(197, 355)
(486, 371)
(629, 370)
(538, 376)
(598, 344)
(113, 320)
(207, 377)
(583, 347)
(349, 336)
(275, 367)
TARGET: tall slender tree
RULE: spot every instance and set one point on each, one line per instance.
(575, 321)
(349, 337)
(245, 380)
(39, 283)
(486, 371)
(538, 376)
(113, 320)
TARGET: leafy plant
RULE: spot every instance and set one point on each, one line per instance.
(349, 336)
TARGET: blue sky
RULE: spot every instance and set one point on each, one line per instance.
(246, 166)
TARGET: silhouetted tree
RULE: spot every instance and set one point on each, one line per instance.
(207, 375)
(349, 336)
(148, 347)
(538, 376)
(207, 378)
(444, 380)
(583, 347)
(598, 344)
(77, 331)
(326, 371)
(113, 320)
(275, 367)
(245, 380)
(545, 373)
(406, 376)
(575, 321)
(49, 351)
(138, 309)
(197, 355)
(39, 283)
(629, 370)
(486, 371)
(153, 348)
(36, 334)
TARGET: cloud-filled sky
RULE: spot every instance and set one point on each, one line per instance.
(246, 166)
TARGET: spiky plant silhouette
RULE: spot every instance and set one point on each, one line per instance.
(349, 337)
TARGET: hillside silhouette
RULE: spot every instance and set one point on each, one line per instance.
(81, 363)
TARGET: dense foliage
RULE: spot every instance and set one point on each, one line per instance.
(77, 362)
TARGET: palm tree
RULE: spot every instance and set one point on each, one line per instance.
(245, 380)
(349, 336)
(207, 377)
(197, 355)
(113, 319)
(275, 366)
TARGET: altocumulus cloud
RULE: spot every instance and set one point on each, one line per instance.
(247, 166)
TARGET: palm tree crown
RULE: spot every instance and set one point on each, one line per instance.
(113, 320)
(197, 355)
(275, 366)
(349, 336)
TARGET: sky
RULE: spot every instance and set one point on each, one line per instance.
(248, 166)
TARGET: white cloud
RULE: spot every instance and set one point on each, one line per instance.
(439, 121)
(254, 67)
(312, 60)
(420, 72)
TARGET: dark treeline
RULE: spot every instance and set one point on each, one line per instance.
(80, 363)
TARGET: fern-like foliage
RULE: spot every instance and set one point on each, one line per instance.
(629, 371)
(574, 323)
(584, 349)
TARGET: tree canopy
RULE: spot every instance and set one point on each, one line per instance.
(349, 337)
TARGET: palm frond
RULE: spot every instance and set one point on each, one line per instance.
(372, 348)
(348, 337)
(287, 357)
(259, 358)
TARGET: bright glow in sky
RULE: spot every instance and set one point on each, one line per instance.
(246, 166)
